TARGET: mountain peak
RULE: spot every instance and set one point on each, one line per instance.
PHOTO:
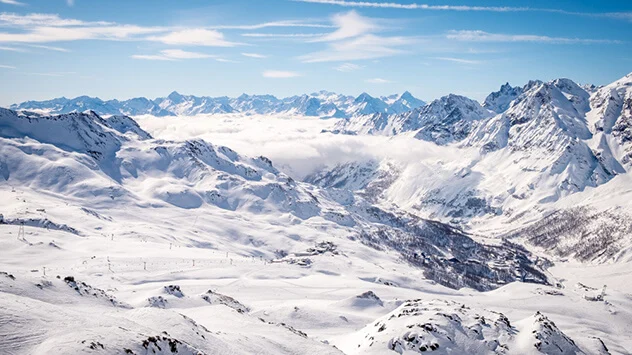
(363, 97)
(499, 101)
(175, 96)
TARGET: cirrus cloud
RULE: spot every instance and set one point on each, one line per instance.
(12, 2)
(482, 36)
(173, 54)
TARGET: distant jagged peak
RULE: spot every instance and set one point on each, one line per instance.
(499, 101)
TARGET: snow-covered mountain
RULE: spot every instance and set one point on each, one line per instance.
(611, 118)
(554, 140)
(320, 104)
(454, 238)
(443, 121)
(499, 101)
(402, 103)
(420, 326)
(127, 163)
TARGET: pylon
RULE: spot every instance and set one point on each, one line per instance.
(21, 234)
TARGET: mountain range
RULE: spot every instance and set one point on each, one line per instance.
(321, 104)
(524, 153)
(493, 228)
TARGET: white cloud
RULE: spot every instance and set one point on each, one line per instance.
(482, 36)
(279, 74)
(44, 34)
(378, 81)
(348, 67)
(42, 28)
(254, 55)
(36, 19)
(349, 25)
(70, 2)
(180, 54)
(50, 48)
(458, 60)
(6, 66)
(364, 47)
(224, 60)
(195, 37)
(354, 40)
(627, 16)
(12, 2)
(297, 146)
(272, 24)
(173, 54)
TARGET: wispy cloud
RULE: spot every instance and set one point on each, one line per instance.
(279, 74)
(12, 49)
(616, 15)
(50, 48)
(195, 37)
(12, 2)
(224, 60)
(70, 2)
(414, 6)
(43, 28)
(254, 55)
(355, 40)
(393, 5)
(173, 54)
(53, 20)
(348, 67)
(482, 36)
(363, 47)
(6, 66)
(458, 60)
(272, 24)
(378, 81)
(45, 34)
(349, 25)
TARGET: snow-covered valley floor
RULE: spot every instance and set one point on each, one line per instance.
(115, 272)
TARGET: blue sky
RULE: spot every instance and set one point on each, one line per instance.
(123, 49)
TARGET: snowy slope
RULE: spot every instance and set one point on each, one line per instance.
(194, 174)
(165, 242)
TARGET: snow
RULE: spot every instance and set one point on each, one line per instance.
(297, 240)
